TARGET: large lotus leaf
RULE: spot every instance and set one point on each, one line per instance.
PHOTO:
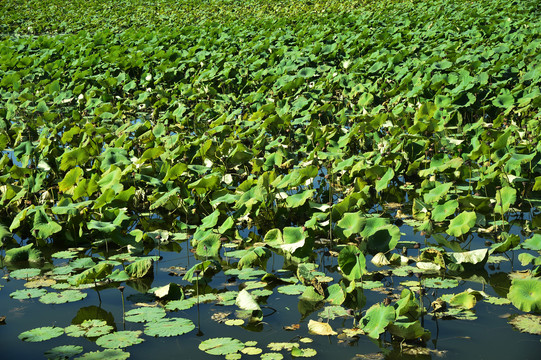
(139, 268)
(504, 100)
(533, 243)
(180, 304)
(43, 225)
(72, 158)
(384, 239)
(293, 289)
(254, 256)
(209, 246)
(475, 257)
(437, 193)
(246, 301)
(166, 199)
(352, 263)
(169, 327)
(510, 241)
(320, 328)
(351, 223)
(208, 182)
(113, 156)
(41, 334)
(109, 354)
(27, 293)
(24, 273)
(376, 319)
(337, 294)
(505, 198)
(111, 179)
(221, 346)
(294, 238)
(299, 199)
(63, 352)
(383, 183)
(442, 211)
(151, 154)
(62, 297)
(407, 305)
(23, 253)
(143, 314)
(210, 221)
(95, 273)
(461, 224)
(525, 294)
(409, 330)
(274, 238)
(463, 300)
(70, 179)
(119, 339)
(311, 295)
(204, 268)
(103, 226)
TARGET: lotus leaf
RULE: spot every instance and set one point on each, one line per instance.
(221, 346)
(119, 339)
(139, 268)
(169, 327)
(41, 334)
(62, 297)
(352, 263)
(533, 243)
(272, 356)
(376, 319)
(332, 312)
(110, 354)
(296, 352)
(292, 289)
(143, 314)
(63, 352)
(24, 273)
(527, 323)
(180, 304)
(89, 328)
(320, 328)
(525, 294)
(462, 224)
(27, 294)
(23, 253)
(409, 330)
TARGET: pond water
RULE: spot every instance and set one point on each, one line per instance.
(489, 336)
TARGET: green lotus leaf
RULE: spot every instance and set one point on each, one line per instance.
(504, 101)
(279, 346)
(71, 179)
(475, 257)
(246, 301)
(376, 319)
(533, 243)
(27, 293)
(91, 275)
(209, 246)
(464, 300)
(114, 156)
(505, 198)
(151, 154)
(41, 334)
(44, 227)
(439, 283)
(82, 263)
(119, 339)
(510, 241)
(221, 346)
(409, 330)
(296, 352)
(527, 323)
(103, 226)
(274, 238)
(525, 294)
(351, 223)
(272, 356)
(62, 297)
(292, 289)
(23, 253)
(24, 273)
(352, 263)
(180, 304)
(337, 294)
(139, 268)
(89, 328)
(211, 220)
(299, 199)
(109, 354)
(254, 256)
(383, 183)
(332, 312)
(462, 224)
(73, 158)
(169, 327)
(143, 314)
(170, 291)
(118, 276)
(437, 193)
(66, 254)
(310, 295)
(204, 268)
(63, 352)
(384, 239)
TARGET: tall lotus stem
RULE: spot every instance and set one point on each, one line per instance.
(121, 288)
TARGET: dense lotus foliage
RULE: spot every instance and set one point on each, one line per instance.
(243, 130)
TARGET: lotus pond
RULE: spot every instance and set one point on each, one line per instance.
(348, 179)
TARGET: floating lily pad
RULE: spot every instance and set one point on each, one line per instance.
(297, 352)
(67, 254)
(143, 314)
(221, 346)
(27, 293)
(251, 350)
(62, 297)
(24, 273)
(41, 334)
(169, 327)
(109, 354)
(89, 328)
(525, 294)
(119, 339)
(39, 283)
(292, 289)
(234, 322)
(439, 283)
(279, 346)
(272, 356)
(63, 352)
(180, 304)
(527, 323)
